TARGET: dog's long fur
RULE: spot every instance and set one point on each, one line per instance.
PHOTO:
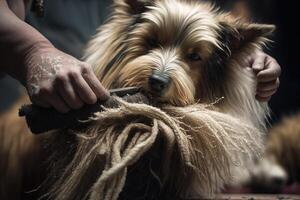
(280, 164)
(284, 145)
(224, 43)
(145, 37)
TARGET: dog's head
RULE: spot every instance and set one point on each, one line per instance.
(176, 50)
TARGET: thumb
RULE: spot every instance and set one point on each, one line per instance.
(258, 63)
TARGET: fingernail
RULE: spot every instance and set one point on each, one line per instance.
(104, 95)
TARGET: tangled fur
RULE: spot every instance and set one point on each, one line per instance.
(196, 146)
(122, 53)
(190, 145)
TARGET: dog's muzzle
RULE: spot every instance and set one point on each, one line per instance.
(158, 83)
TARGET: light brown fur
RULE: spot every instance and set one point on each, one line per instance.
(180, 27)
(20, 155)
(284, 145)
(121, 56)
(281, 161)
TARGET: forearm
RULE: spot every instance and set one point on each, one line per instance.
(17, 40)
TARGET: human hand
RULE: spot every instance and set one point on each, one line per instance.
(55, 79)
(267, 71)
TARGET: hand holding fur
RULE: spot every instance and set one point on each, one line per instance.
(267, 72)
(56, 79)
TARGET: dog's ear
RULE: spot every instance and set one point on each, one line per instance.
(134, 6)
(240, 35)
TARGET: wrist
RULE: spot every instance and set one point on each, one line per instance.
(30, 55)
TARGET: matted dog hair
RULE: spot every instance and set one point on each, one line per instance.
(120, 53)
(207, 121)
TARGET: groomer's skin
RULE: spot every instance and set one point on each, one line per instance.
(55, 79)
(51, 77)
(267, 71)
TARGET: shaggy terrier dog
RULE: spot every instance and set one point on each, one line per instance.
(182, 53)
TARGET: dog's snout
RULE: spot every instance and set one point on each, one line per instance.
(158, 83)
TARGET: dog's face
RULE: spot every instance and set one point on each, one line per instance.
(178, 50)
(169, 49)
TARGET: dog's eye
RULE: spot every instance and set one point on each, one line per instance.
(194, 56)
(152, 42)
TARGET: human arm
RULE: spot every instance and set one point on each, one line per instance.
(51, 77)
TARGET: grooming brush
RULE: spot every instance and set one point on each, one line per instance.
(41, 120)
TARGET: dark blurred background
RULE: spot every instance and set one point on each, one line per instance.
(284, 14)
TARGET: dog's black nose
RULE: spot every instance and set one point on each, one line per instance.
(158, 83)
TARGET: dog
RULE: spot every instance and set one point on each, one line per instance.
(181, 52)
(280, 164)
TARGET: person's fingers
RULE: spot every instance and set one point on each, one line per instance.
(83, 89)
(258, 63)
(94, 83)
(271, 72)
(52, 98)
(262, 99)
(57, 102)
(66, 91)
(265, 94)
(34, 95)
(267, 86)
